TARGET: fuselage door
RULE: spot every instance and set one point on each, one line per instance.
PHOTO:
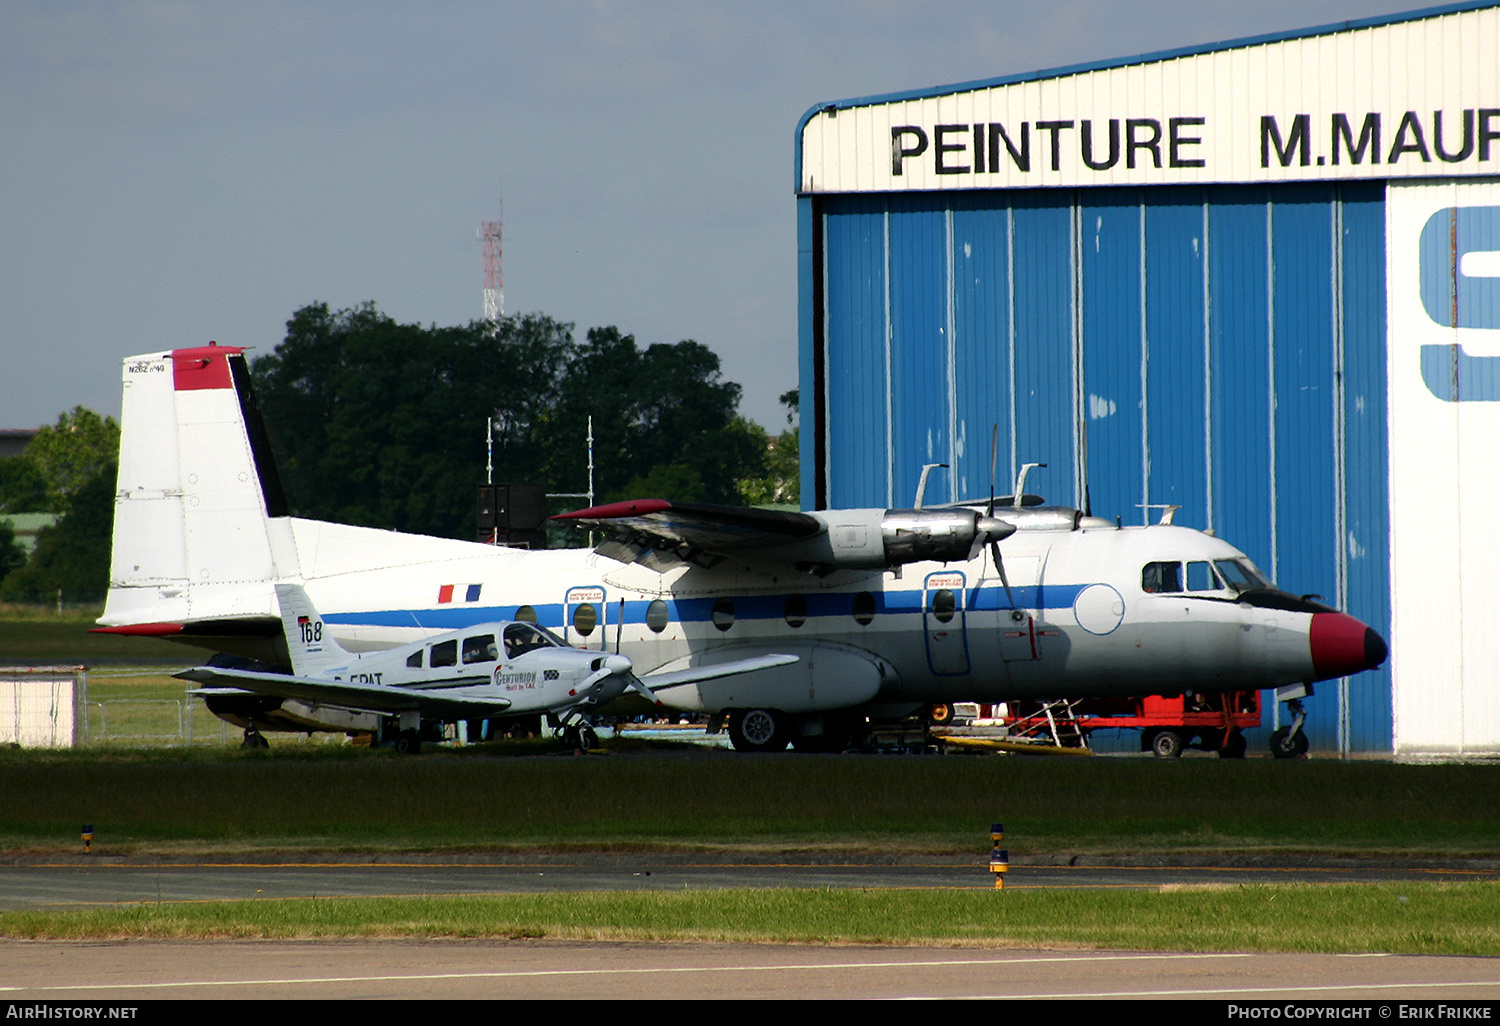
(585, 617)
(943, 623)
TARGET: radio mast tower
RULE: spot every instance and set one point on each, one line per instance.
(494, 277)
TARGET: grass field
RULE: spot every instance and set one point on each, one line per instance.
(36, 636)
(342, 798)
(1416, 918)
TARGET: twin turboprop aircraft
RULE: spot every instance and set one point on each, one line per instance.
(488, 671)
(887, 611)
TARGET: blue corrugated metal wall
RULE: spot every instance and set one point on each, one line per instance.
(1218, 348)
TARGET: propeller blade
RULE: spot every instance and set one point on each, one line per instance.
(994, 455)
(1000, 569)
(609, 666)
(634, 683)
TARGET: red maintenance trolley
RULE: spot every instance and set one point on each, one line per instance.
(1168, 724)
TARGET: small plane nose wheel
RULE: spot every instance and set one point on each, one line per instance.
(581, 737)
(1291, 742)
(253, 738)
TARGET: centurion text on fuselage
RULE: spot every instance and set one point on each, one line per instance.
(885, 610)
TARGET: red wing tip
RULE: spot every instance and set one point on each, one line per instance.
(616, 510)
(144, 630)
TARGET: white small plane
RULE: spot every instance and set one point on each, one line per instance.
(495, 670)
(888, 611)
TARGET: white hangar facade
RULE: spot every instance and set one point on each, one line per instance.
(1259, 280)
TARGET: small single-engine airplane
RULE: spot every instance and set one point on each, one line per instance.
(490, 670)
(888, 611)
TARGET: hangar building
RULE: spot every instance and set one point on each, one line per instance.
(1259, 280)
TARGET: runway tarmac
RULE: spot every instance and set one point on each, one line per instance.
(85, 974)
(101, 879)
(93, 971)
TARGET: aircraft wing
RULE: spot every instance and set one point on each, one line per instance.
(695, 532)
(382, 698)
(694, 674)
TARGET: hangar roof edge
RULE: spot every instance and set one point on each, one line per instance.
(1124, 62)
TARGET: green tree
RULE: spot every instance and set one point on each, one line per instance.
(22, 487)
(12, 556)
(71, 454)
(71, 556)
(781, 484)
(382, 424)
(69, 469)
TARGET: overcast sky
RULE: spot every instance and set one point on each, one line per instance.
(173, 172)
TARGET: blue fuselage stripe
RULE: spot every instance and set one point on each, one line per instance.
(700, 610)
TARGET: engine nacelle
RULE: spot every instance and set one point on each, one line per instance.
(874, 539)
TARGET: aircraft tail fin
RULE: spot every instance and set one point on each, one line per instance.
(201, 529)
(308, 640)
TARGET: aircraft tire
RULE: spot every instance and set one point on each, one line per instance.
(254, 739)
(1234, 746)
(1286, 745)
(1164, 744)
(587, 739)
(408, 742)
(758, 730)
(940, 714)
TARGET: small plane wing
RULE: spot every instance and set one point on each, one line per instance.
(695, 532)
(385, 698)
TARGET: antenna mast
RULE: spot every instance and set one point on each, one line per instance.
(494, 276)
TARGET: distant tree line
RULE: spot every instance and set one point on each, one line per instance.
(379, 423)
(382, 424)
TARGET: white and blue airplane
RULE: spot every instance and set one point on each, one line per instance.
(887, 611)
(499, 670)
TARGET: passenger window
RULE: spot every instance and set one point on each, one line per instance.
(585, 619)
(657, 616)
(723, 614)
(864, 608)
(944, 605)
(415, 660)
(1201, 577)
(795, 611)
(444, 654)
(480, 649)
(1161, 577)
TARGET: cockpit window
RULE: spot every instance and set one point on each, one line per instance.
(1201, 577)
(523, 637)
(480, 649)
(1240, 574)
(1161, 577)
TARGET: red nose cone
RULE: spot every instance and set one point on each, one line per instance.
(1341, 645)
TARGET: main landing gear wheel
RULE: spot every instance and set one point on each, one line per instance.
(1286, 745)
(582, 738)
(757, 730)
(408, 742)
(254, 739)
(1234, 746)
(940, 714)
(1164, 744)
